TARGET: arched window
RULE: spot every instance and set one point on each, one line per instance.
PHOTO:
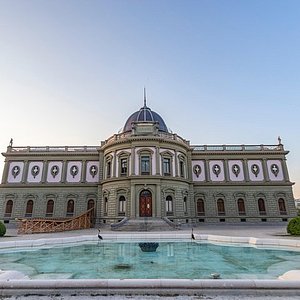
(169, 205)
(8, 208)
(108, 169)
(261, 206)
(281, 206)
(185, 205)
(200, 207)
(221, 207)
(123, 166)
(122, 206)
(105, 206)
(241, 206)
(181, 168)
(90, 204)
(29, 208)
(50, 208)
(70, 208)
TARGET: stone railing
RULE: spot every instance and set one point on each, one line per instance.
(165, 135)
(214, 148)
(68, 149)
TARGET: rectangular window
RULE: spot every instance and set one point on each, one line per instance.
(108, 170)
(181, 168)
(145, 165)
(184, 205)
(167, 166)
(122, 206)
(123, 166)
(169, 205)
(105, 206)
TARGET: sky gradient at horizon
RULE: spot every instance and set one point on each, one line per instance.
(217, 71)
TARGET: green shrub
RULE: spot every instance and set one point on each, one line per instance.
(2, 229)
(293, 227)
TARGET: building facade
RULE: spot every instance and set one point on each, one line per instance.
(146, 171)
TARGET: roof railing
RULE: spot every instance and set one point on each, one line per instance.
(53, 149)
(208, 148)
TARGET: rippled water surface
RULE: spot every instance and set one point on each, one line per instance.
(171, 260)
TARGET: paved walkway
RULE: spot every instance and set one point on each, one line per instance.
(239, 230)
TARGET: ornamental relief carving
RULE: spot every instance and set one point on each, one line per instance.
(216, 169)
(35, 170)
(236, 170)
(255, 169)
(15, 171)
(93, 170)
(197, 170)
(54, 170)
(275, 169)
(74, 171)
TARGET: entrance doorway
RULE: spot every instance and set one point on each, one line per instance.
(145, 204)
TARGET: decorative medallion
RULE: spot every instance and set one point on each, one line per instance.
(255, 169)
(216, 170)
(197, 170)
(93, 170)
(74, 171)
(275, 169)
(35, 170)
(54, 171)
(236, 170)
(15, 171)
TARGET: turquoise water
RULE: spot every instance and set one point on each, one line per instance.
(171, 260)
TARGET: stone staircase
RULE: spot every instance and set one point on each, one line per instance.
(145, 224)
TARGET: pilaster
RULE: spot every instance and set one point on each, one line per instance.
(25, 171)
(5, 172)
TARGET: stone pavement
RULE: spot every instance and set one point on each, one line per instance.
(266, 230)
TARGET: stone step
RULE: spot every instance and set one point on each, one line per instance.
(145, 224)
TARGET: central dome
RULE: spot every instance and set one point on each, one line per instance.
(145, 115)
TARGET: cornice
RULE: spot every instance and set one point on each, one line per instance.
(134, 139)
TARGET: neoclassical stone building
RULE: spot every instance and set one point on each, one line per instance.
(146, 171)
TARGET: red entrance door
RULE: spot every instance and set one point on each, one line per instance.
(145, 204)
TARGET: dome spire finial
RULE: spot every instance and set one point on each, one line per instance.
(145, 100)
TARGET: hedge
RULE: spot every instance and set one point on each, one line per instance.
(2, 229)
(293, 227)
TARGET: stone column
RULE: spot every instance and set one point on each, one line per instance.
(114, 166)
(158, 201)
(83, 171)
(25, 171)
(207, 175)
(158, 163)
(285, 170)
(246, 170)
(45, 170)
(265, 169)
(133, 161)
(176, 164)
(5, 172)
(226, 170)
(133, 201)
(64, 171)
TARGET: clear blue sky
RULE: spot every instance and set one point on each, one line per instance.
(218, 72)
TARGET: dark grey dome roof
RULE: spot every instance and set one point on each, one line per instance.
(145, 114)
